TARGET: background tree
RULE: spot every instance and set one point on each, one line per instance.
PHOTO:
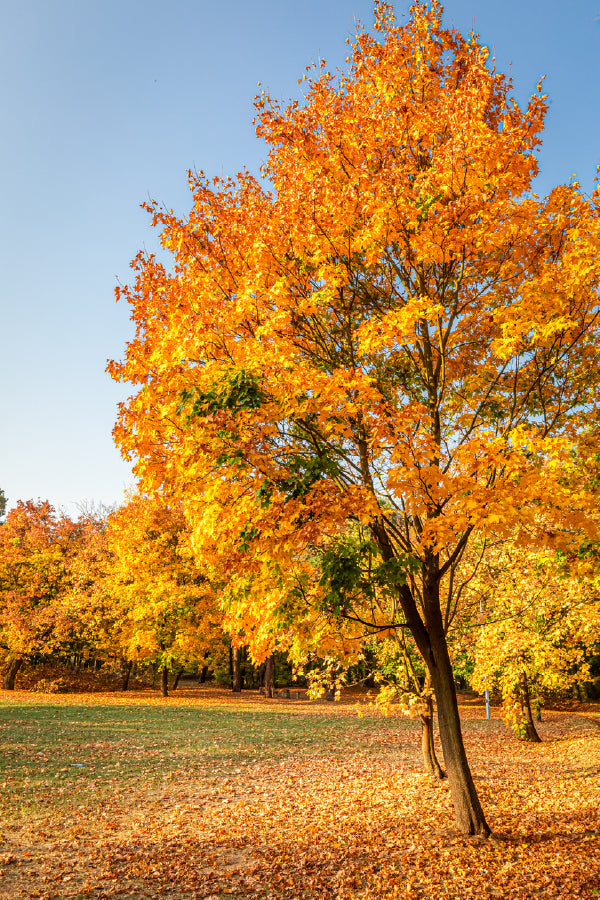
(541, 620)
(36, 549)
(165, 607)
(399, 335)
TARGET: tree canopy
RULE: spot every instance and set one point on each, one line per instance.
(394, 334)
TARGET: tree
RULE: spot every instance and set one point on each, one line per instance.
(396, 334)
(2, 503)
(541, 620)
(87, 616)
(165, 611)
(36, 550)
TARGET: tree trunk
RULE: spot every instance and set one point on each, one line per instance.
(177, 677)
(126, 673)
(269, 669)
(467, 808)
(203, 674)
(164, 681)
(431, 640)
(236, 674)
(8, 681)
(430, 760)
(530, 731)
(243, 667)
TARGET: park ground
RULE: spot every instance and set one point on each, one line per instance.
(211, 795)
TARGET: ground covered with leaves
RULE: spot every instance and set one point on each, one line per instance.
(211, 795)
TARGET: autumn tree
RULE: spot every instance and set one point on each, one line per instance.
(90, 617)
(165, 607)
(393, 332)
(540, 622)
(36, 551)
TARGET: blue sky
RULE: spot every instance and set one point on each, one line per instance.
(106, 103)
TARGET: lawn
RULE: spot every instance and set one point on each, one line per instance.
(208, 794)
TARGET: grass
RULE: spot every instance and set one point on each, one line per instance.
(208, 795)
(54, 754)
(76, 752)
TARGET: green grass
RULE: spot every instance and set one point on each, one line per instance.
(70, 755)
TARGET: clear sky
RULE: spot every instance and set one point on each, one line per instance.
(105, 103)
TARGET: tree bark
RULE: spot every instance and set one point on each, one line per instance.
(126, 673)
(269, 671)
(467, 808)
(430, 760)
(430, 638)
(236, 675)
(164, 681)
(530, 730)
(203, 674)
(244, 667)
(178, 675)
(8, 681)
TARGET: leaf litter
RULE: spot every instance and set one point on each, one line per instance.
(283, 800)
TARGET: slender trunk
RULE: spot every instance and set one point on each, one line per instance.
(164, 681)
(269, 670)
(236, 680)
(530, 730)
(470, 818)
(430, 760)
(203, 674)
(126, 673)
(467, 808)
(430, 638)
(8, 681)
(177, 677)
(243, 665)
